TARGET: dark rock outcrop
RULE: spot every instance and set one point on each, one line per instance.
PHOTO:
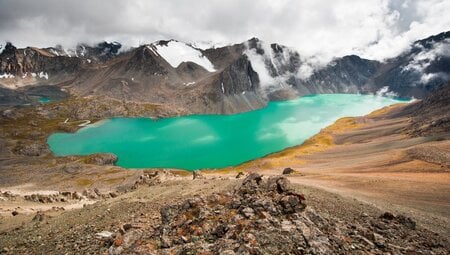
(238, 77)
(349, 74)
(288, 170)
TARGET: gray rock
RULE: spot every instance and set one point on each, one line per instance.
(387, 216)
(197, 175)
(378, 240)
(406, 221)
(168, 213)
(40, 216)
(240, 175)
(104, 235)
(248, 212)
(288, 170)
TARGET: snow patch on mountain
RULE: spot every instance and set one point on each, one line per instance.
(7, 76)
(259, 66)
(42, 75)
(175, 53)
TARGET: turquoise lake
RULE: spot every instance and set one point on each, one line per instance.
(214, 141)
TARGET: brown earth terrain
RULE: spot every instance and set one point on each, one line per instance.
(374, 161)
(394, 160)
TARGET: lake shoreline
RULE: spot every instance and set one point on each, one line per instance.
(282, 126)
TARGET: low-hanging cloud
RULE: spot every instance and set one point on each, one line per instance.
(319, 29)
(423, 60)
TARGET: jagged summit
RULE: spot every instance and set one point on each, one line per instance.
(430, 41)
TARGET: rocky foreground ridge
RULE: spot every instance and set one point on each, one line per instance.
(267, 216)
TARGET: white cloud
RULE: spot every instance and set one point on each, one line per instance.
(319, 29)
(423, 60)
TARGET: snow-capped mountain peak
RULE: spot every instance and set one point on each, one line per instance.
(175, 53)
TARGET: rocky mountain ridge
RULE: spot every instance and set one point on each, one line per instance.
(228, 79)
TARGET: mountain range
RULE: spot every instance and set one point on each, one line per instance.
(228, 79)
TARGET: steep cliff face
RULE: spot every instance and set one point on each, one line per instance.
(350, 74)
(239, 77)
(24, 62)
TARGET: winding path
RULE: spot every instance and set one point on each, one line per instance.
(85, 123)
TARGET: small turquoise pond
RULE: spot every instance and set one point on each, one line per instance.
(214, 141)
(44, 100)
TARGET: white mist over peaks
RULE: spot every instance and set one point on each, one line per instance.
(384, 92)
(323, 29)
(423, 60)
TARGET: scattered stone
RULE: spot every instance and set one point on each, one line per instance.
(90, 194)
(197, 175)
(127, 226)
(15, 213)
(248, 212)
(97, 192)
(11, 114)
(53, 198)
(104, 235)
(31, 150)
(388, 216)
(40, 216)
(101, 159)
(7, 195)
(366, 241)
(240, 175)
(77, 196)
(378, 240)
(288, 170)
(406, 221)
(151, 178)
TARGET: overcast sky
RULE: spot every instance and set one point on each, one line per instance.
(374, 29)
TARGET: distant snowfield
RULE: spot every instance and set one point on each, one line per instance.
(176, 53)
